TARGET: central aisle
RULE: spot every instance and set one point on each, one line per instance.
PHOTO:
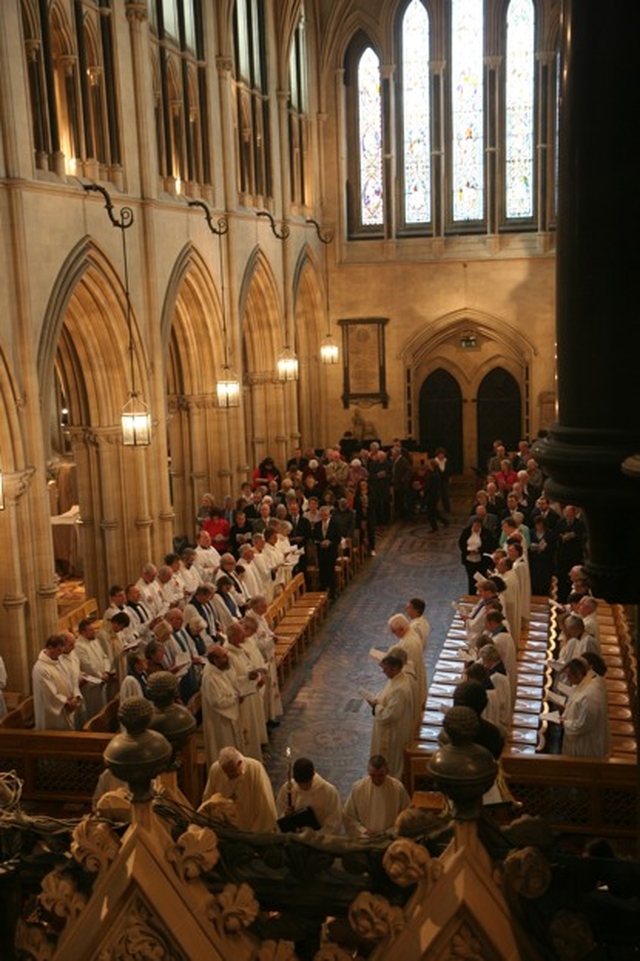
(325, 718)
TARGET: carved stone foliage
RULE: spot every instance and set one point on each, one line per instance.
(234, 908)
(571, 936)
(220, 808)
(139, 937)
(465, 945)
(276, 951)
(195, 852)
(408, 863)
(60, 897)
(372, 917)
(95, 845)
(528, 872)
(333, 952)
(32, 942)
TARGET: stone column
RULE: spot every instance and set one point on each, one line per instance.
(138, 17)
(15, 528)
(598, 265)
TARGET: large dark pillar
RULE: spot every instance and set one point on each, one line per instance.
(598, 289)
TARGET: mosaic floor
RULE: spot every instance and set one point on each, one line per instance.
(325, 718)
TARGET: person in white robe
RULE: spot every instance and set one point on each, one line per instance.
(511, 596)
(252, 581)
(221, 725)
(393, 713)
(266, 639)
(250, 680)
(415, 612)
(263, 566)
(409, 640)
(496, 630)
(498, 709)
(95, 666)
(54, 701)
(474, 619)
(521, 567)
(585, 716)
(228, 565)
(574, 640)
(224, 603)
(207, 558)
(588, 611)
(69, 662)
(306, 788)
(188, 573)
(246, 782)
(374, 802)
(275, 559)
(150, 592)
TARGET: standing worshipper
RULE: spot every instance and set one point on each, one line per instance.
(327, 540)
(245, 781)
(374, 802)
(409, 640)
(393, 716)
(585, 716)
(307, 789)
(221, 725)
(475, 544)
(415, 612)
(250, 681)
(54, 702)
(266, 639)
(571, 537)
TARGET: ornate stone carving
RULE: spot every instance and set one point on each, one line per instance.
(95, 845)
(373, 918)
(136, 11)
(407, 863)
(332, 952)
(194, 853)
(60, 896)
(465, 945)
(33, 942)
(528, 872)
(140, 938)
(17, 483)
(220, 808)
(276, 951)
(234, 908)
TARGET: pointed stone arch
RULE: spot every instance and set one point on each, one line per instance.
(310, 327)
(467, 344)
(269, 405)
(84, 351)
(202, 439)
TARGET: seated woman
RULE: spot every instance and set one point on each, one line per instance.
(266, 471)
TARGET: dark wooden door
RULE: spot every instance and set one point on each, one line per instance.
(499, 413)
(441, 417)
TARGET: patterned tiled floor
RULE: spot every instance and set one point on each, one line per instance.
(325, 718)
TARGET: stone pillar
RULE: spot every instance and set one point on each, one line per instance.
(18, 654)
(598, 265)
(138, 17)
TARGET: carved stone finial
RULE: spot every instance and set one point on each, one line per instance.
(461, 769)
(173, 720)
(137, 756)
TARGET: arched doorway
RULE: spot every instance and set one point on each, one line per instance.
(441, 416)
(499, 412)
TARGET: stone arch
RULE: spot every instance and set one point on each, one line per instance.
(467, 344)
(84, 349)
(269, 417)
(201, 438)
(310, 315)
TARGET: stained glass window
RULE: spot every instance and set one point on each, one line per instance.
(416, 114)
(370, 139)
(467, 168)
(519, 109)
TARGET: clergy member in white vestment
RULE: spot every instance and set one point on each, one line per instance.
(220, 705)
(307, 789)
(54, 701)
(252, 580)
(150, 593)
(207, 558)
(585, 718)
(510, 598)
(375, 801)
(265, 638)
(419, 623)
(474, 619)
(496, 630)
(246, 782)
(249, 680)
(406, 638)
(393, 714)
(95, 665)
(521, 567)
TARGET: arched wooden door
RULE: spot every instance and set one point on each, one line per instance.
(441, 416)
(499, 413)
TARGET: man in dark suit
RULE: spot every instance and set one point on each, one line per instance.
(326, 536)
(301, 533)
